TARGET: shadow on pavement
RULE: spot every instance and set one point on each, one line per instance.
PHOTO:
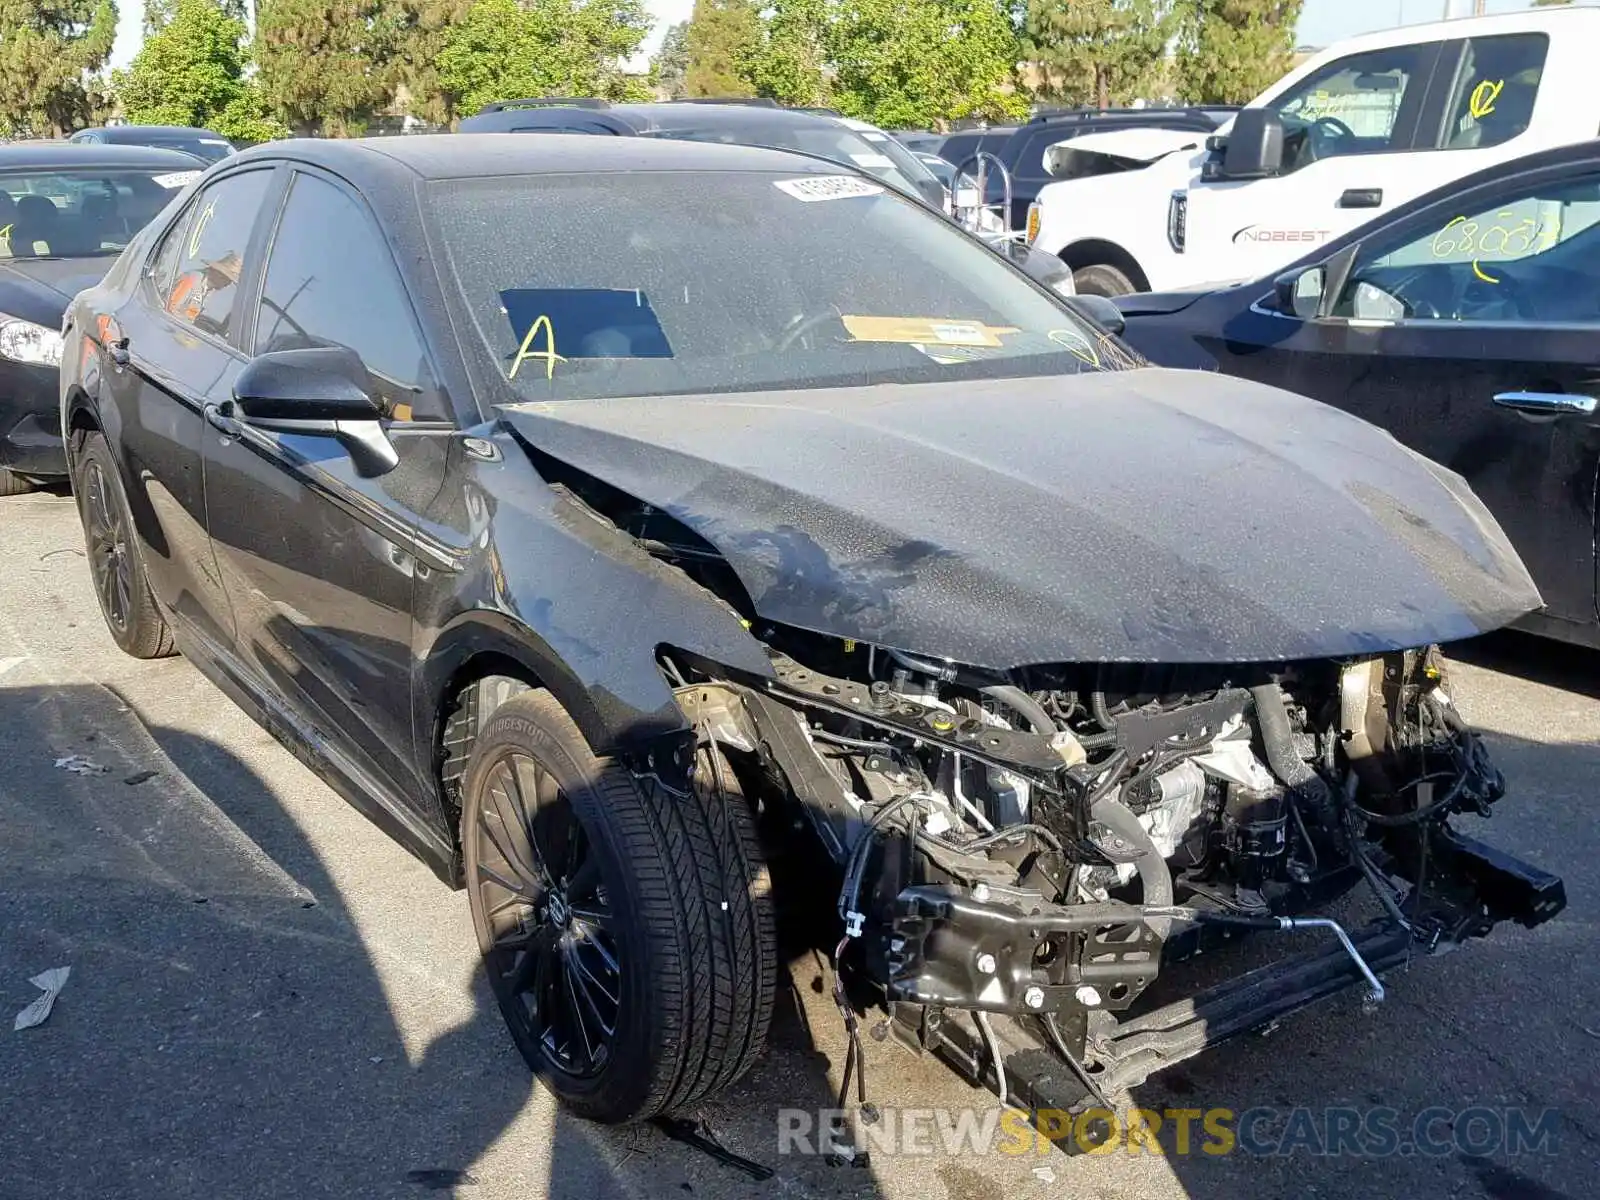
(1539, 659)
(227, 1030)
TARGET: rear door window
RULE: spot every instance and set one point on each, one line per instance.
(208, 247)
(1495, 89)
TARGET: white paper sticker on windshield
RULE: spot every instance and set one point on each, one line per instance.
(962, 334)
(213, 141)
(176, 179)
(881, 161)
(827, 187)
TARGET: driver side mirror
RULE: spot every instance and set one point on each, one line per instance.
(1253, 148)
(1300, 292)
(1311, 293)
(318, 390)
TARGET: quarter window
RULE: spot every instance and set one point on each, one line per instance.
(1531, 256)
(331, 281)
(203, 257)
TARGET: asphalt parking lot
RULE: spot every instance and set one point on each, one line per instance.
(269, 998)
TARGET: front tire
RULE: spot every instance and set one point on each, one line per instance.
(126, 602)
(1099, 279)
(626, 929)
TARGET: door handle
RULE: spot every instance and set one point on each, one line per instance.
(119, 352)
(1361, 198)
(222, 422)
(1548, 404)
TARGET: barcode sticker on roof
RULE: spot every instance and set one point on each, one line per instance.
(827, 187)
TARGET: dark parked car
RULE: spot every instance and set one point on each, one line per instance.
(66, 212)
(205, 145)
(820, 132)
(1465, 323)
(1020, 149)
(642, 564)
(741, 123)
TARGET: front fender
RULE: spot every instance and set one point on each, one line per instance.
(573, 600)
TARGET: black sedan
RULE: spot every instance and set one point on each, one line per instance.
(66, 212)
(207, 146)
(643, 563)
(1466, 324)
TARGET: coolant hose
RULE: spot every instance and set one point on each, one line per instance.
(1154, 876)
(1019, 702)
(1277, 738)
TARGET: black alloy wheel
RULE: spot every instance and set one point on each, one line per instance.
(625, 924)
(554, 960)
(106, 535)
(111, 543)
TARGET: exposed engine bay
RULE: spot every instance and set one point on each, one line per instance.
(1037, 847)
(1006, 860)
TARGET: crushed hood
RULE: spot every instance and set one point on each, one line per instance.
(1146, 516)
(1142, 145)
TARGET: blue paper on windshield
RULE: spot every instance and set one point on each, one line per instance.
(585, 322)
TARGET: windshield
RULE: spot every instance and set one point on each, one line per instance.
(613, 284)
(870, 150)
(80, 212)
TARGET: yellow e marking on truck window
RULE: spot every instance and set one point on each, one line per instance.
(551, 358)
(1483, 97)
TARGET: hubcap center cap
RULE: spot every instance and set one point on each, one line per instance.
(559, 912)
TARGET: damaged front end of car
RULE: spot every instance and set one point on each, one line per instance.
(1021, 856)
(1044, 760)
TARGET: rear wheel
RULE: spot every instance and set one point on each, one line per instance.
(126, 603)
(13, 485)
(626, 929)
(1099, 279)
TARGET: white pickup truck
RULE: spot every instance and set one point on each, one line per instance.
(1363, 126)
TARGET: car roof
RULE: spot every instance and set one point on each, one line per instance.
(469, 155)
(663, 116)
(89, 154)
(120, 131)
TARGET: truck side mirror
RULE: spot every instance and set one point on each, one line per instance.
(1254, 146)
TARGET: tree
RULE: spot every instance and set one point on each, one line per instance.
(423, 28)
(48, 49)
(917, 63)
(1229, 50)
(191, 72)
(788, 60)
(671, 63)
(504, 51)
(158, 12)
(1099, 52)
(325, 66)
(722, 36)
